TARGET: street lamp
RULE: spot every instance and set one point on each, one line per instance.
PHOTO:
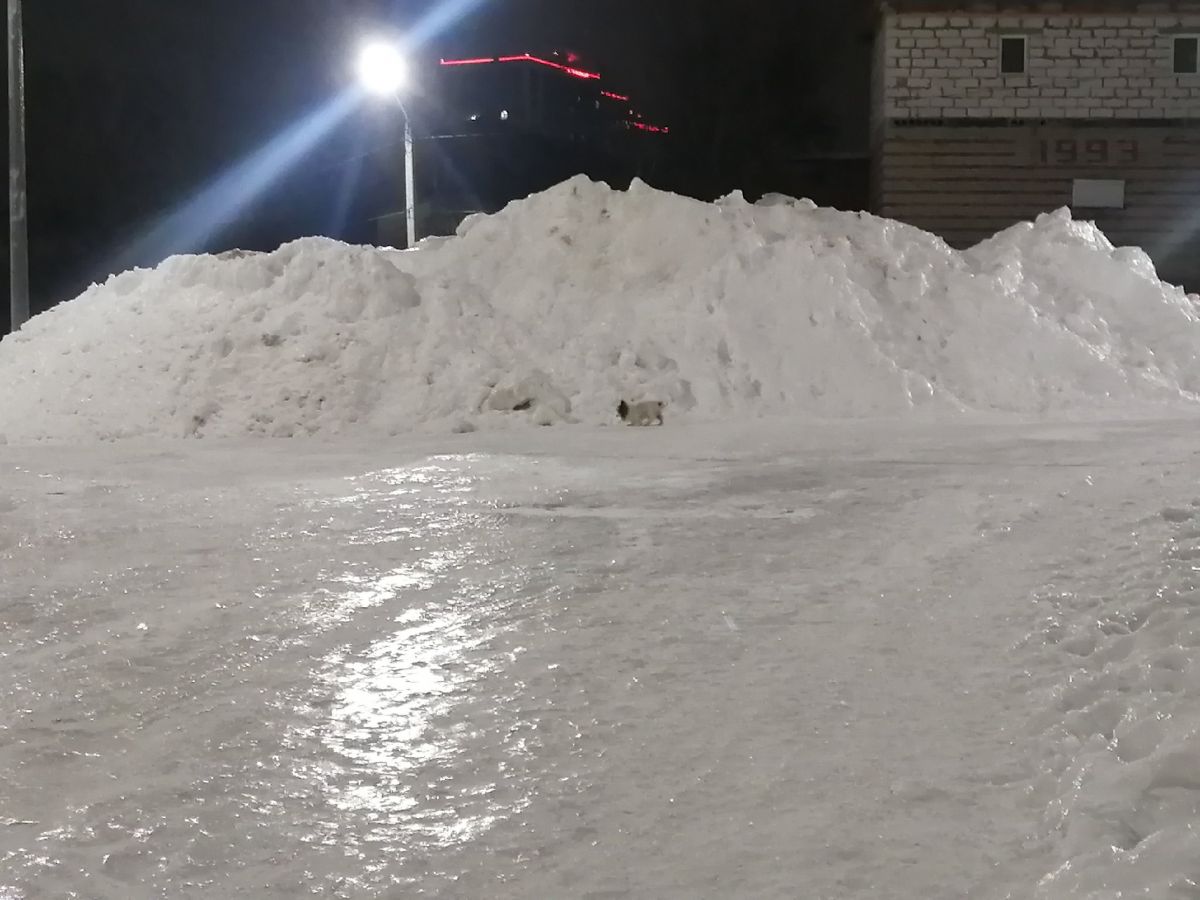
(18, 235)
(383, 72)
(382, 69)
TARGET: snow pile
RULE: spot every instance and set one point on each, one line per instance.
(571, 300)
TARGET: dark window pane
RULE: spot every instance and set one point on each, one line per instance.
(1186, 55)
(1012, 55)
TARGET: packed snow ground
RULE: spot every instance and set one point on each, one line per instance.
(860, 660)
(903, 657)
(573, 299)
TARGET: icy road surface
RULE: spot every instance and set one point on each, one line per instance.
(812, 662)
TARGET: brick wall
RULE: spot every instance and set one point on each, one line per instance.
(1080, 66)
(880, 62)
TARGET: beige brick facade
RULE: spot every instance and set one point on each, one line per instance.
(1099, 121)
(947, 66)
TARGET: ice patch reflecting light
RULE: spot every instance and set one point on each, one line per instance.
(390, 753)
(383, 723)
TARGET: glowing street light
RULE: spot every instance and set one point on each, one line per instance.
(383, 72)
(382, 69)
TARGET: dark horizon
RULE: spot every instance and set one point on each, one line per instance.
(134, 106)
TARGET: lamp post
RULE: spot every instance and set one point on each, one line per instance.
(18, 234)
(383, 72)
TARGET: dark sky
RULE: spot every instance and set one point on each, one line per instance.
(135, 103)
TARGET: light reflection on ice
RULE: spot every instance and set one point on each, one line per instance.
(383, 725)
(388, 747)
(450, 478)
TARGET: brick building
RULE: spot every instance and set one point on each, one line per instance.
(987, 112)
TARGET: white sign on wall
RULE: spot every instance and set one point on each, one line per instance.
(1098, 193)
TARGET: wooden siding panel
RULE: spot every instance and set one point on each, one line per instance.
(965, 183)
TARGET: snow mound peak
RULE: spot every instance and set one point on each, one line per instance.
(581, 296)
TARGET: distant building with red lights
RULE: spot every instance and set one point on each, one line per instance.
(493, 129)
(552, 96)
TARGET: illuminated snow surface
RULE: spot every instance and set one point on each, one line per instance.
(866, 660)
(579, 296)
(925, 652)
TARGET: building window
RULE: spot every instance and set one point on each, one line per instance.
(1187, 55)
(1014, 52)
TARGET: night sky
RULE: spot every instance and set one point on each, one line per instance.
(134, 104)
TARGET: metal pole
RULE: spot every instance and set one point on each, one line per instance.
(18, 235)
(410, 187)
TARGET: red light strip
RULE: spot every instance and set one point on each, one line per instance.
(526, 57)
(570, 70)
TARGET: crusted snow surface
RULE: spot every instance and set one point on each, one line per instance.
(564, 303)
(855, 661)
(1120, 763)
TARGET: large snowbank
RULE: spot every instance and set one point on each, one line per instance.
(568, 301)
